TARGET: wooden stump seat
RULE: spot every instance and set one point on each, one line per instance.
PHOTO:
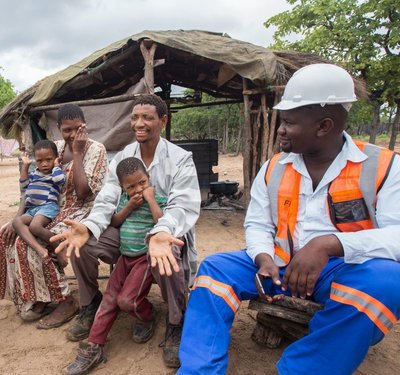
(287, 318)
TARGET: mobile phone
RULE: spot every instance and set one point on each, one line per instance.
(259, 285)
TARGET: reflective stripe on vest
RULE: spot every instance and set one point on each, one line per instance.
(351, 196)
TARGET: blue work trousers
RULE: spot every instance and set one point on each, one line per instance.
(362, 302)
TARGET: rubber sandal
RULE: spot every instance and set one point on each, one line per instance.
(31, 316)
(56, 319)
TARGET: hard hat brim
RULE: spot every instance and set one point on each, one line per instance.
(286, 105)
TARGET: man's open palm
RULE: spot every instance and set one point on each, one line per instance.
(73, 239)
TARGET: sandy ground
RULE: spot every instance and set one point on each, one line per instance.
(26, 350)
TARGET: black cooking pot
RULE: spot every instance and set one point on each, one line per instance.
(224, 187)
(217, 187)
(231, 187)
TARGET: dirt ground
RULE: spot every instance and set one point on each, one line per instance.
(26, 350)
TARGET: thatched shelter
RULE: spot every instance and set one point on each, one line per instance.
(105, 82)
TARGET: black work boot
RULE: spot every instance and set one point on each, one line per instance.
(171, 345)
(83, 322)
(143, 331)
(89, 356)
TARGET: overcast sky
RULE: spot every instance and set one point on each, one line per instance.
(41, 37)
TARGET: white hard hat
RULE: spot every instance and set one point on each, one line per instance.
(318, 84)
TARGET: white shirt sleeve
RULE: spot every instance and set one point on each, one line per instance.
(259, 227)
(106, 201)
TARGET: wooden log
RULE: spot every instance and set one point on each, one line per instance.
(287, 318)
(290, 303)
(266, 336)
(284, 313)
(282, 327)
(148, 49)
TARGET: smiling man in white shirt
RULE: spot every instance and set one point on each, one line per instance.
(171, 250)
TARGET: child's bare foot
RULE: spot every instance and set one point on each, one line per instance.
(62, 259)
(43, 253)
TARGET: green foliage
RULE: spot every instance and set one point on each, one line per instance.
(208, 122)
(7, 92)
(362, 35)
(361, 113)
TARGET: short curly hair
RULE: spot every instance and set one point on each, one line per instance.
(70, 112)
(152, 99)
(46, 144)
(129, 166)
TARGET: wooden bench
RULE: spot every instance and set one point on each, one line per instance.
(287, 318)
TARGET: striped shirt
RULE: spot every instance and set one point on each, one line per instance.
(134, 229)
(42, 188)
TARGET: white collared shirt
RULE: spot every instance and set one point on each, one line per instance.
(313, 216)
(172, 172)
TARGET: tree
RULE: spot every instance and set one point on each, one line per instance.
(7, 92)
(362, 35)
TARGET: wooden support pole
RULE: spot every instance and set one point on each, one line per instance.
(256, 132)
(266, 130)
(247, 146)
(167, 95)
(148, 49)
(274, 116)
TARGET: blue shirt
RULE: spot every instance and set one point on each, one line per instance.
(42, 188)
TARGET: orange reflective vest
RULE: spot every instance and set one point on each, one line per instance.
(351, 198)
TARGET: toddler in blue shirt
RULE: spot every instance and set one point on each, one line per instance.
(40, 190)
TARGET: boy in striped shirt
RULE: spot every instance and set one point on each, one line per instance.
(40, 190)
(139, 208)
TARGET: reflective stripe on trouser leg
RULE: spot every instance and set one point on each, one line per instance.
(362, 301)
(223, 280)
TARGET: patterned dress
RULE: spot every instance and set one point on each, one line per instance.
(24, 276)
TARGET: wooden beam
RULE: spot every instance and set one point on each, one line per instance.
(123, 98)
(209, 104)
(148, 49)
(263, 90)
(85, 103)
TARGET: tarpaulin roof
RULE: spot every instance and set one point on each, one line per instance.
(250, 61)
(205, 61)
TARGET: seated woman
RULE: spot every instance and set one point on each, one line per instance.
(30, 281)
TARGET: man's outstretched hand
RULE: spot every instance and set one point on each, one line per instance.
(73, 239)
(161, 254)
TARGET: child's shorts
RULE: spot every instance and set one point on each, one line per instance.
(49, 210)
